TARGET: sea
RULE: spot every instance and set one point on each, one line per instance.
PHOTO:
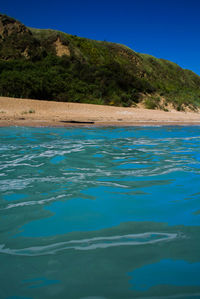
(100, 213)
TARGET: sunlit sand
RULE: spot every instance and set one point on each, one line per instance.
(25, 112)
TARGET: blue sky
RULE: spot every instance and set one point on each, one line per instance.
(168, 29)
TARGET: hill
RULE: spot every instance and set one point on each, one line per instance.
(52, 65)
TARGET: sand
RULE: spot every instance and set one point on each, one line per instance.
(25, 112)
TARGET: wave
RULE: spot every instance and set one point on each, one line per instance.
(93, 243)
(32, 202)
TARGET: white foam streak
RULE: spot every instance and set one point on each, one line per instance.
(93, 243)
(19, 165)
(32, 203)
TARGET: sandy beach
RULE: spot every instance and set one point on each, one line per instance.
(25, 112)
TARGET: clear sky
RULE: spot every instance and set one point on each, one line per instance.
(168, 29)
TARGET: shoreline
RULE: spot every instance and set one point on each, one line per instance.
(36, 113)
(42, 124)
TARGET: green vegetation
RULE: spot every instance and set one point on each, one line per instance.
(93, 72)
(30, 111)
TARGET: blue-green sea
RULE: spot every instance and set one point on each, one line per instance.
(100, 213)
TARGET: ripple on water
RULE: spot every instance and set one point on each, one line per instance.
(93, 243)
(91, 212)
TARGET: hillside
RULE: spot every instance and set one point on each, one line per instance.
(52, 65)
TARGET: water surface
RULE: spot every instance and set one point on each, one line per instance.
(100, 212)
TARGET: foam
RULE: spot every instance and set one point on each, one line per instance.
(92, 244)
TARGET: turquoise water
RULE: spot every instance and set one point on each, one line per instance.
(100, 213)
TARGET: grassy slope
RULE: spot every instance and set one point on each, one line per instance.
(95, 72)
(167, 79)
